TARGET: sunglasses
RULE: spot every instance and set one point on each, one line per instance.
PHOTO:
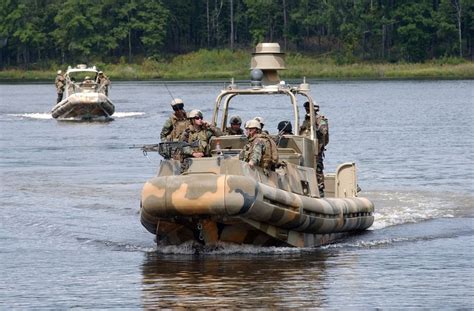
(178, 107)
(197, 118)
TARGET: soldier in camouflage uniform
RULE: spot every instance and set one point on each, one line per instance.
(198, 130)
(322, 134)
(60, 83)
(261, 149)
(176, 123)
(103, 82)
(262, 124)
(285, 128)
(234, 128)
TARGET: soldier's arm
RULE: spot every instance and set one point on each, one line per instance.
(188, 151)
(166, 130)
(257, 152)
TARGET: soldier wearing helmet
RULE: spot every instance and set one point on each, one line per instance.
(270, 158)
(198, 130)
(104, 83)
(262, 124)
(322, 135)
(88, 83)
(258, 150)
(176, 123)
(60, 83)
(234, 128)
(285, 128)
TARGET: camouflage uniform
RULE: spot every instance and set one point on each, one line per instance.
(60, 84)
(230, 131)
(203, 135)
(104, 83)
(253, 151)
(270, 156)
(322, 134)
(174, 128)
(237, 130)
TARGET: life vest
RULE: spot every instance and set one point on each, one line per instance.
(270, 155)
(179, 126)
(60, 83)
(191, 135)
(322, 130)
(230, 131)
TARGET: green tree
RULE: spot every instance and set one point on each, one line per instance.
(265, 18)
(78, 28)
(22, 27)
(152, 20)
(446, 29)
(415, 30)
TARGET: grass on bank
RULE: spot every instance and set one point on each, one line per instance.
(224, 64)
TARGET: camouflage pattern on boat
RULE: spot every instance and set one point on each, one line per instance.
(222, 199)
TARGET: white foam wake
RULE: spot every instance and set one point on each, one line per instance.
(35, 115)
(47, 116)
(127, 114)
(395, 208)
(223, 248)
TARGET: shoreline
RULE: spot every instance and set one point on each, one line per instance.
(241, 81)
(225, 65)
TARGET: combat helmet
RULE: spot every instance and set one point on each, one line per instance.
(176, 101)
(235, 120)
(306, 106)
(253, 124)
(177, 104)
(285, 126)
(195, 113)
(260, 119)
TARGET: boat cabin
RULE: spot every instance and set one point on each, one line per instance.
(296, 152)
(82, 79)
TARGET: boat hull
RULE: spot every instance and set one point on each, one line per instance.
(209, 208)
(84, 106)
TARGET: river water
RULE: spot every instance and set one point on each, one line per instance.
(70, 235)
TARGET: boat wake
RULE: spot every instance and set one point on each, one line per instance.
(397, 207)
(36, 116)
(118, 115)
(48, 116)
(221, 248)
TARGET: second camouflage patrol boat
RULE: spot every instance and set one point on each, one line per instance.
(222, 199)
(84, 99)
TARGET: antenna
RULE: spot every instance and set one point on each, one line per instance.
(169, 92)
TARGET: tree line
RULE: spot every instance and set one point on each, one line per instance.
(45, 32)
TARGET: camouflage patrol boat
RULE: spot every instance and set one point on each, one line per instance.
(222, 199)
(83, 99)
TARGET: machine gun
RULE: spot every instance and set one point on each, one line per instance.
(168, 150)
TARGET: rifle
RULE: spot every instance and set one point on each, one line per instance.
(168, 150)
